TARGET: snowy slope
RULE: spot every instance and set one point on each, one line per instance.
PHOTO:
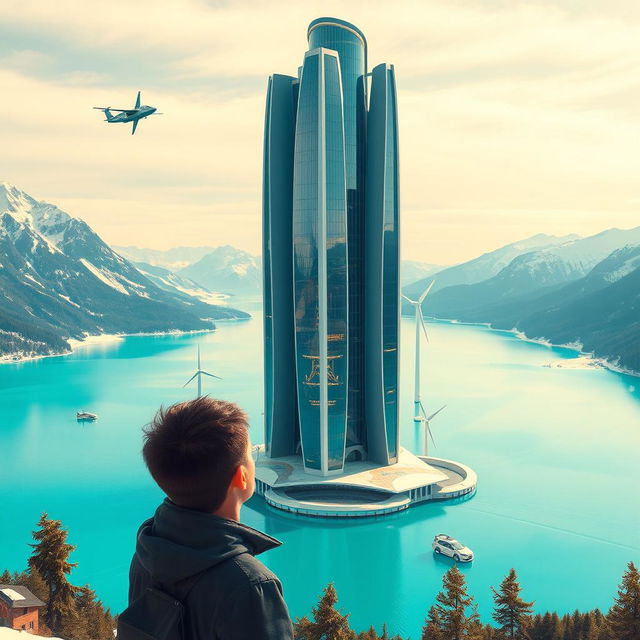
(171, 259)
(228, 270)
(170, 281)
(487, 265)
(581, 255)
(59, 280)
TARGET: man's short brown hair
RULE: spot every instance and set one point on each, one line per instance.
(192, 450)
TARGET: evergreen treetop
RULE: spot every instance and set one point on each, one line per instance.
(624, 616)
(511, 612)
(452, 604)
(328, 622)
(50, 559)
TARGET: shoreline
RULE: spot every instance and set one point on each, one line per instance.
(584, 360)
(91, 340)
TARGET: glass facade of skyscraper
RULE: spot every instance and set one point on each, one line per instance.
(331, 330)
(350, 44)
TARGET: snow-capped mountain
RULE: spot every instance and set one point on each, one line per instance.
(59, 280)
(561, 261)
(540, 295)
(170, 281)
(227, 270)
(172, 259)
(487, 265)
(522, 276)
(412, 271)
(600, 311)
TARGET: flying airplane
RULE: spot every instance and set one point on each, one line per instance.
(129, 115)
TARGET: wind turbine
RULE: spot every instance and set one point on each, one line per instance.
(199, 373)
(427, 427)
(417, 305)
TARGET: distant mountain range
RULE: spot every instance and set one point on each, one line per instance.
(171, 259)
(223, 270)
(229, 270)
(411, 271)
(485, 266)
(60, 280)
(573, 290)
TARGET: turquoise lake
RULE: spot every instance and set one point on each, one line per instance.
(556, 451)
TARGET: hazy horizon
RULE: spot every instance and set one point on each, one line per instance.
(515, 118)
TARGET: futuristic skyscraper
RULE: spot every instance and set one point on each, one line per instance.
(331, 256)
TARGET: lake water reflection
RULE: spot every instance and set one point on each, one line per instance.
(555, 450)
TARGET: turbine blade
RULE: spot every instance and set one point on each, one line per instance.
(408, 299)
(430, 434)
(190, 379)
(433, 415)
(426, 292)
(424, 413)
(424, 327)
(204, 373)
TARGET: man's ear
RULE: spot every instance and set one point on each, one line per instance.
(239, 479)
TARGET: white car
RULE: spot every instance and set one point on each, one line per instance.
(448, 546)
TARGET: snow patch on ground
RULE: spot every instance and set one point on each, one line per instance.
(109, 279)
(623, 270)
(88, 340)
(581, 362)
(240, 269)
(30, 277)
(204, 296)
(12, 634)
(69, 300)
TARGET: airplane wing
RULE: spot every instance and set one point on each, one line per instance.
(127, 111)
(135, 124)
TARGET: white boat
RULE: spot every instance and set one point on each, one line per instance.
(85, 415)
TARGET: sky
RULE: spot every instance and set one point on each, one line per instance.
(515, 117)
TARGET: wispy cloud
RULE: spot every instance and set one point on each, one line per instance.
(516, 117)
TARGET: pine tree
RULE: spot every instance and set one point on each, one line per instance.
(328, 621)
(5, 577)
(433, 629)
(95, 623)
(50, 559)
(553, 631)
(477, 631)
(624, 617)
(36, 584)
(511, 612)
(452, 604)
(370, 634)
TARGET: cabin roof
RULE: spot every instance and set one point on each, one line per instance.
(17, 596)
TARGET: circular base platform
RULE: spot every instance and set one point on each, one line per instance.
(335, 501)
(342, 497)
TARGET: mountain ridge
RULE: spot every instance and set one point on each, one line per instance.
(600, 310)
(60, 280)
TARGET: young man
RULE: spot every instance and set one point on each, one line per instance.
(195, 547)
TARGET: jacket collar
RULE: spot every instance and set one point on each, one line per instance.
(199, 529)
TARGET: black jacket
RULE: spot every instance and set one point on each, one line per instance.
(235, 597)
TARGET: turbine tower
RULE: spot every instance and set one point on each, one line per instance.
(427, 427)
(417, 305)
(199, 373)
